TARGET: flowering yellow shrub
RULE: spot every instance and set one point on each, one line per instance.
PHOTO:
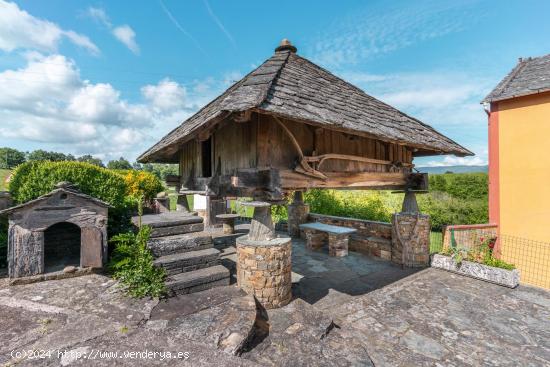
(141, 183)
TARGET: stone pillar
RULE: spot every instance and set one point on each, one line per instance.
(315, 239)
(338, 244)
(162, 203)
(182, 205)
(214, 207)
(411, 239)
(298, 213)
(264, 260)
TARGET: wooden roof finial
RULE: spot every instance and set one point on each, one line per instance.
(285, 45)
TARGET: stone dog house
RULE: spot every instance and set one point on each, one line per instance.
(59, 229)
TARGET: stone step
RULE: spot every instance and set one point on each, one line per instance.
(197, 280)
(188, 261)
(168, 245)
(171, 223)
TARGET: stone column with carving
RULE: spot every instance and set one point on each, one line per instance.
(298, 213)
(264, 260)
(410, 235)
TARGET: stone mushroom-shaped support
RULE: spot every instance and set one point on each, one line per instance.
(228, 222)
(264, 260)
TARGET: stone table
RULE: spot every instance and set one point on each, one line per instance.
(338, 237)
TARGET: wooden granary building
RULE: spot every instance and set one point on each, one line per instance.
(292, 125)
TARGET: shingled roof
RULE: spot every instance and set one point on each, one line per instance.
(293, 87)
(530, 76)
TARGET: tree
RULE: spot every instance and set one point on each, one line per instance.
(43, 155)
(10, 158)
(161, 170)
(120, 163)
(87, 158)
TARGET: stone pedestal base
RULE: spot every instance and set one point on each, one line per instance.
(264, 270)
(411, 239)
(315, 239)
(162, 205)
(297, 214)
(228, 222)
(338, 244)
(182, 205)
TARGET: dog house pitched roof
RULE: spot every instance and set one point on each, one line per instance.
(291, 86)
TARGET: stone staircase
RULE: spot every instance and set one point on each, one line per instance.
(180, 246)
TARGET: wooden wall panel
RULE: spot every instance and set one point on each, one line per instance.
(234, 146)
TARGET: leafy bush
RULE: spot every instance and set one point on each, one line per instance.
(141, 184)
(132, 264)
(370, 205)
(462, 186)
(453, 199)
(33, 179)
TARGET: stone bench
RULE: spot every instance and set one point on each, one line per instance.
(338, 237)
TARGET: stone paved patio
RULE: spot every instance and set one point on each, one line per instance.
(352, 311)
(315, 273)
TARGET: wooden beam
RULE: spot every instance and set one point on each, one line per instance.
(324, 157)
(291, 180)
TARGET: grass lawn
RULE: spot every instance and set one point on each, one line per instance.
(4, 173)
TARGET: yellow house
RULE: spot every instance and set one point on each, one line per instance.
(519, 162)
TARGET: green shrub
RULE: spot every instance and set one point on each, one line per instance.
(141, 184)
(370, 205)
(33, 179)
(462, 186)
(132, 264)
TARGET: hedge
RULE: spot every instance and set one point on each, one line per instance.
(33, 179)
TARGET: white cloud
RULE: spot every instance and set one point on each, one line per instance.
(123, 33)
(383, 27)
(444, 99)
(48, 102)
(166, 95)
(127, 36)
(457, 161)
(20, 30)
(99, 15)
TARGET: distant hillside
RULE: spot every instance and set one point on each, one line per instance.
(454, 169)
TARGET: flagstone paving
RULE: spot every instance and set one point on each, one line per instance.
(349, 311)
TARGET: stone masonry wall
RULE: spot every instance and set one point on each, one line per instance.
(265, 272)
(411, 239)
(372, 238)
(297, 214)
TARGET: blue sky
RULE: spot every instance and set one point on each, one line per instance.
(111, 78)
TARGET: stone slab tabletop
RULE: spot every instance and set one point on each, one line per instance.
(328, 228)
(277, 241)
(256, 204)
(192, 192)
(227, 216)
